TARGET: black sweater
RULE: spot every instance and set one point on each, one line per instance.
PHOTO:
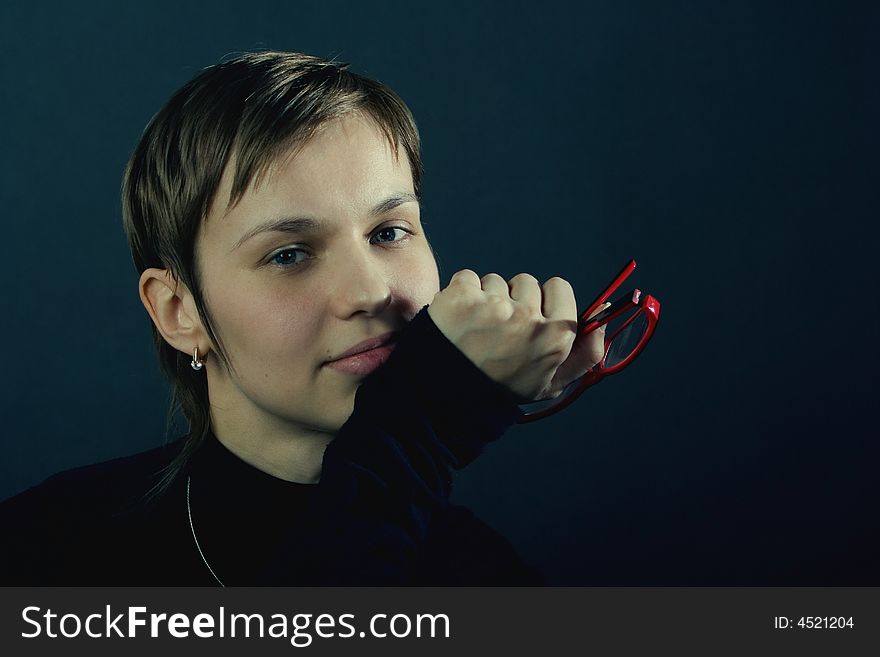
(380, 514)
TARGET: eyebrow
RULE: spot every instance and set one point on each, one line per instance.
(310, 225)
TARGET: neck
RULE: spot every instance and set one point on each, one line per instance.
(295, 457)
(277, 445)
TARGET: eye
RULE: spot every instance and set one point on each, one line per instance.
(390, 234)
(288, 257)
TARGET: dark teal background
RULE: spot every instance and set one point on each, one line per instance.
(732, 150)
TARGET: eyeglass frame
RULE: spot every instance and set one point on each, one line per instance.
(647, 304)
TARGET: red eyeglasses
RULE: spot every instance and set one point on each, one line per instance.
(630, 322)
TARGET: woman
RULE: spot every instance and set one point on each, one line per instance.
(330, 386)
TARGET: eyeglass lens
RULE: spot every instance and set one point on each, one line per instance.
(624, 333)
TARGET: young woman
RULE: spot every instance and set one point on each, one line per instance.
(330, 386)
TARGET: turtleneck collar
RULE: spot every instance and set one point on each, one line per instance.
(240, 513)
(214, 462)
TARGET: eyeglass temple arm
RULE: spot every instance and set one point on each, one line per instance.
(615, 283)
(622, 305)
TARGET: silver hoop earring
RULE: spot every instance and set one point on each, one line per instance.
(196, 364)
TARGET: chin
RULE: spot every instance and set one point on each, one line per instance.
(332, 419)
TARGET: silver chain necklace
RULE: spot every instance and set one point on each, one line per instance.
(195, 538)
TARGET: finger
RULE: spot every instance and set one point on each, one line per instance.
(594, 346)
(466, 277)
(525, 289)
(586, 352)
(558, 300)
(494, 284)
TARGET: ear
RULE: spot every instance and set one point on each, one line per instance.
(172, 308)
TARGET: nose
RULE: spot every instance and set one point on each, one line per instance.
(361, 283)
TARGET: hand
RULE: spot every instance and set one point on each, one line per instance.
(521, 334)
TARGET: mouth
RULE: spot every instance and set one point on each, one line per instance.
(366, 345)
(364, 357)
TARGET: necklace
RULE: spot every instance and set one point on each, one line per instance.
(195, 538)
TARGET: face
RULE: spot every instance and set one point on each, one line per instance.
(327, 252)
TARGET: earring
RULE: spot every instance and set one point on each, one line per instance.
(196, 364)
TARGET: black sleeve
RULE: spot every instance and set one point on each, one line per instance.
(381, 509)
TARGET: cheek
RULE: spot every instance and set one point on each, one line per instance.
(266, 324)
(297, 318)
(418, 281)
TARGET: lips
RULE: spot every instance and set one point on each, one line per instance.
(366, 345)
(365, 357)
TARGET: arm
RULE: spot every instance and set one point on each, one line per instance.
(387, 475)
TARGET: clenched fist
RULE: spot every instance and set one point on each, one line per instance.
(520, 333)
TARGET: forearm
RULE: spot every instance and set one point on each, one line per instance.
(389, 469)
